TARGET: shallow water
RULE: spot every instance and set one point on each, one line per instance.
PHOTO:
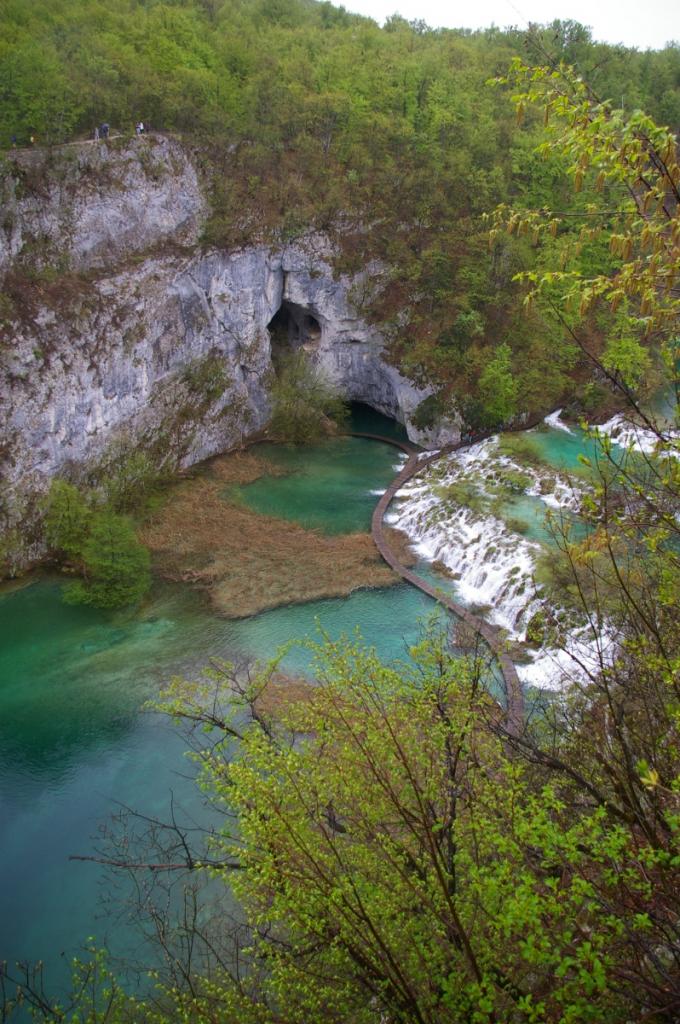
(330, 487)
(561, 449)
(74, 742)
(388, 620)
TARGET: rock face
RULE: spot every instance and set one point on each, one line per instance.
(345, 347)
(156, 346)
(88, 206)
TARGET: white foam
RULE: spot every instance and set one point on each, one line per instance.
(492, 566)
(626, 434)
(584, 653)
(554, 421)
(565, 494)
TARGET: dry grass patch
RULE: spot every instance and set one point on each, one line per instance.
(240, 468)
(250, 562)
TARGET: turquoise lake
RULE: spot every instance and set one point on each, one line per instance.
(74, 740)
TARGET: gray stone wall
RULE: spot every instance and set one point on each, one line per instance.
(90, 205)
(128, 350)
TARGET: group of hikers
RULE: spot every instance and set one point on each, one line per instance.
(102, 130)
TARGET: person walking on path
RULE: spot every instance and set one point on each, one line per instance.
(96, 135)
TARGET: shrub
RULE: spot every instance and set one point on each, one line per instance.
(101, 542)
(304, 404)
(116, 565)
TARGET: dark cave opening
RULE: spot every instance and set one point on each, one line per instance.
(293, 327)
(365, 419)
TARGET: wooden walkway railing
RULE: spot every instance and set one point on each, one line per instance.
(514, 698)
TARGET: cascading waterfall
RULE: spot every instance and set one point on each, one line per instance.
(493, 566)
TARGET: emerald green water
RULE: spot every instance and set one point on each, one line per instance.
(389, 621)
(562, 450)
(565, 451)
(74, 743)
(332, 488)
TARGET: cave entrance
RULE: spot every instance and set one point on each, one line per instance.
(367, 420)
(293, 327)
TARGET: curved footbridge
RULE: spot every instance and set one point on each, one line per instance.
(514, 703)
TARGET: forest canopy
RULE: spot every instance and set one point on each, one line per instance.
(304, 116)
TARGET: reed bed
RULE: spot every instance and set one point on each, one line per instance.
(249, 562)
(240, 468)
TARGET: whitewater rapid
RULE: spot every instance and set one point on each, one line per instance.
(626, 434)
(493, 568)
(450, 512)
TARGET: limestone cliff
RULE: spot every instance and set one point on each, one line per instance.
(86, 206)
(119, 329)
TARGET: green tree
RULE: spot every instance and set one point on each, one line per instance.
(498, 387)
(115, 564)
(67, 518)
(389, 856)
(626, 168)
(99, 541)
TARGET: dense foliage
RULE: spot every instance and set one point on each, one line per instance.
(100, 543)
(306, 116)
(305, 407)
(402, 862)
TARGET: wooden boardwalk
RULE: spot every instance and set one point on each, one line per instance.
(514, 698)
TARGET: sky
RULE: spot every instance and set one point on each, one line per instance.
(646, 24)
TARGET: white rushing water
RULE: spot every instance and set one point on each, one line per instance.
(621, 430)
(445, 512)
(554, 421)
(491, 565)
(626, 434)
